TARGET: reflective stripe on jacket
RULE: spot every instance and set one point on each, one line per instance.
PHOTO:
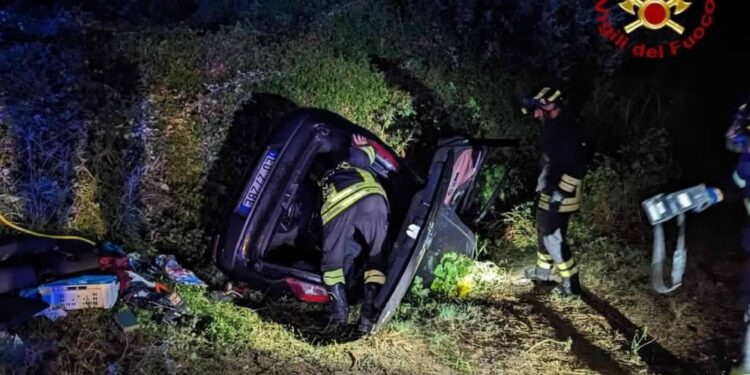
(567, 205)
(337, 202)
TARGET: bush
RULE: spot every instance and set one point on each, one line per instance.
(545, 37)
(613, 190)
(520, 227)
(318, 78)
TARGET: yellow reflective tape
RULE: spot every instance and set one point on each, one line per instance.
(569, 209)
(570, 201)
(739, 181)
(543, 256)
(373, 273)
(542, 93)
(370, 151)
(334, 277)
(374, 277)
(570, 180)
(335, 197)
(554, 96)
(542, 264)
(353, 198)
(569, 273)
(564, 186)
(566, 265)
(574, 200)
(544, 197)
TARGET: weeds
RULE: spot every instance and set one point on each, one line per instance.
(128, 158)
(564, 345)
(640, 341)
(520, 230)
(445, 348)
(451, 276)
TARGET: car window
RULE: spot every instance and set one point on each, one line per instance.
(487, 188)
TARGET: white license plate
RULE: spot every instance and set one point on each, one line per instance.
(260, 178)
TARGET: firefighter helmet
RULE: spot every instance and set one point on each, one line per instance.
(547, 95)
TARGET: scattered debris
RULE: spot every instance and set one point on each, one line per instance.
(176, 272)
(230, 293)
(152, 295)
(126, 320)
(81, 292)
(53, 313)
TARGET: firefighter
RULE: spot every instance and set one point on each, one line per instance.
(558, 189)
(737, 141)
(354, 203)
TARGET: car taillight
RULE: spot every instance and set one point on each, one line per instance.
(306, 291)
(389, 160)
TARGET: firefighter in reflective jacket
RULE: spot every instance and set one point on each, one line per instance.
(737, 141)
(558, 188)
(354, 202)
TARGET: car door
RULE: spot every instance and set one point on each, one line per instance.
(433, 223)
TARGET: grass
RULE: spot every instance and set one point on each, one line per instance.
(640, 340)
(86, 215)
(221, 336)
(158, 109)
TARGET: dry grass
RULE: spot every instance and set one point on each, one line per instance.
(150, 148)
(86, 216)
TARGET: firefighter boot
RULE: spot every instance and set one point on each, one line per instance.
(568, 287)
(537, 274)
(337, 313)
(542, 272)
(367, 315)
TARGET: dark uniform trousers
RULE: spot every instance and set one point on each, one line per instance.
(369, 218)
(738, 189)
(552, 237)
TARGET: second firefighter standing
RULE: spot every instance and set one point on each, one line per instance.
(562, 167)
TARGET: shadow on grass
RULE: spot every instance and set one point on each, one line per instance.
(308, 321)
(654, 355)
(119, 154)
(594, 357)
(658, 359)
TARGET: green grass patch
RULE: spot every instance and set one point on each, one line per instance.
(319, 78)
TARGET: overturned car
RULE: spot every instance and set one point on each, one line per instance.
(271, 235)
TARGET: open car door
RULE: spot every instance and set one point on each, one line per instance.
(433, 224)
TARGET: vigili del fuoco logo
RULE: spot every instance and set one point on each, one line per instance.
(679, 28)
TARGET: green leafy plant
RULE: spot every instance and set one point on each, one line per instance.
(451, 276)
(489, 180)
(418, 290)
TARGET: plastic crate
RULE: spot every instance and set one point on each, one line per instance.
(81, 292)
